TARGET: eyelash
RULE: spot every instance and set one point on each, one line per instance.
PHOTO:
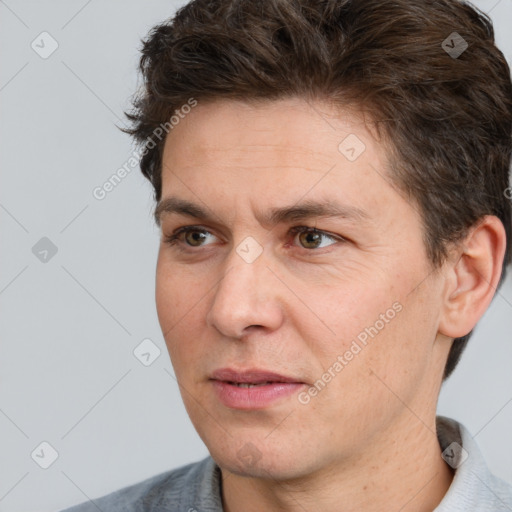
(174, 239)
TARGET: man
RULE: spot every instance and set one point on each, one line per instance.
(331, 183)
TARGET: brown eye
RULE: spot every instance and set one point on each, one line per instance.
(189, 236)
(311, 238)
(195, 238)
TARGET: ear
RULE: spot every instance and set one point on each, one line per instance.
(472, 277)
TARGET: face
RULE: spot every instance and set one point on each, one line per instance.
(289, 261)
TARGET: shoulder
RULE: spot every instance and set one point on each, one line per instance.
(500, 494)
(171, 491)
(474, 487)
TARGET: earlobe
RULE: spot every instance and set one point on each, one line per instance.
(473, 277)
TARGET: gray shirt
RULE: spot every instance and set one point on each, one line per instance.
(197, 487)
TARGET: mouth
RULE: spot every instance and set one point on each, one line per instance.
(250, 384)
(252, 389)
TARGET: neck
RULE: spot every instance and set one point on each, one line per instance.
(402, 471)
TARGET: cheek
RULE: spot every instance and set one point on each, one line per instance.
(400, 355)
(173, 293)
(377, 376)
(167, 302)
(380, 329)
(351, 309)
(172, 299)
(180, 304)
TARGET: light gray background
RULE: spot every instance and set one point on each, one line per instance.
(69, 326)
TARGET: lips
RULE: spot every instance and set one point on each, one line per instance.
(250, 376)
(252, 389)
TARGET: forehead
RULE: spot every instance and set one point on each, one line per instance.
(275, 153)
(287, 131)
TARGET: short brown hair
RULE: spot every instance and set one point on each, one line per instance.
(447, 118)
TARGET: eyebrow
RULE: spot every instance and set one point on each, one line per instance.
(294, 213)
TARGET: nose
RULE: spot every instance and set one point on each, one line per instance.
(246, 298)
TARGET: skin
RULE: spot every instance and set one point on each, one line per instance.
(367, 441)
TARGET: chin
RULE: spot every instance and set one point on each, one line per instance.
(254, 459)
